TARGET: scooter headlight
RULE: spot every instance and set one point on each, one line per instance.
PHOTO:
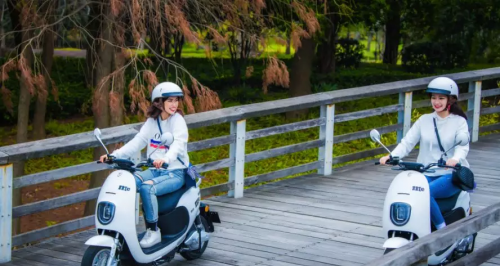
(400, 213)
(105, 212)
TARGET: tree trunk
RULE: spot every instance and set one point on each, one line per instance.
(392, 33)
(47, 60)
(179, 42)
(100, 101)
(2, 31)
(157, 41)
(328, 46)
(369, 40)
(116, 103)
(91, 44)
(23, 108)
(288, 44)
(21, 40)
(300, 83)
(326, 54)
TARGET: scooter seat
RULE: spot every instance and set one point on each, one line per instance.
(167, 202)
(447, 204)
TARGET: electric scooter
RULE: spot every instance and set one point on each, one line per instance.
(406, 215)
(185, 222)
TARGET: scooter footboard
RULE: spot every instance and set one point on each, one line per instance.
(101, 241)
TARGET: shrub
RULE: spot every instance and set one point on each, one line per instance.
(349, 53)
(426, 57)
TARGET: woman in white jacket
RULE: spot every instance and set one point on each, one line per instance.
(450, 120)
(163, 116)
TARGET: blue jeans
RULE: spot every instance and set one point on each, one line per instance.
(164, 182)
(440, 187)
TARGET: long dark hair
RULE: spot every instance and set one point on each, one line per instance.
(155, 109)
(455, 108)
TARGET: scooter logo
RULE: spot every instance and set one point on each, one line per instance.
(420, 189)
(124, 188)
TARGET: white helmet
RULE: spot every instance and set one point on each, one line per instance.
(443, 85)
(166, 89)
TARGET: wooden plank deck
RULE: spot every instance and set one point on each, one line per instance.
(309, 220)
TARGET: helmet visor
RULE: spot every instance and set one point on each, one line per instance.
(439, 91)
(172, 94)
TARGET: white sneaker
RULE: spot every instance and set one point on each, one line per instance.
(151, 238)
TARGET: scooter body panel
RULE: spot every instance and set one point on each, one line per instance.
(120, 190)
(412, 188)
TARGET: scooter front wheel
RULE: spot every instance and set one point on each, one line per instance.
(196, 254)
(98, 256)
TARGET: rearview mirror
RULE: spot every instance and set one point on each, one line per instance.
(97, 135)
(375, 135)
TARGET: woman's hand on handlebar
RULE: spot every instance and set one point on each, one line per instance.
(384, 159)
(103, 158)
(158, 163)
(451, 162)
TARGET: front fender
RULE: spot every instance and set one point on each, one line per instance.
(395, 242)
(101, 241)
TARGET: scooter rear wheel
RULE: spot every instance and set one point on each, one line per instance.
(196, 254)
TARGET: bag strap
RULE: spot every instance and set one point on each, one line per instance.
(161, 132)
(437, 135)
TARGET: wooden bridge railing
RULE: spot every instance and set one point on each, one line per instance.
(236, 116)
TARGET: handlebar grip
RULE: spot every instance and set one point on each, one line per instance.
(98, 162)
(377, 163)
(164, 165)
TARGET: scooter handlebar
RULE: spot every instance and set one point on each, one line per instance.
(149, 163)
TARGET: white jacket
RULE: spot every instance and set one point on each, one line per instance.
(149, 136)
(423, 132)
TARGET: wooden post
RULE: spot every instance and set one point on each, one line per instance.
(407, 112)
(326, 132)
(237, 153)
(401, 115)
(5, 212)
(477, 111)
(470, 105)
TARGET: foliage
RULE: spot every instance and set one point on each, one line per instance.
(349, 53)
(426, 57)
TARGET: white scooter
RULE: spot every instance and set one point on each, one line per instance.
(406, 215)
(185, 222)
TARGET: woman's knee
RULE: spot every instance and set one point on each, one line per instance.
(147, 188)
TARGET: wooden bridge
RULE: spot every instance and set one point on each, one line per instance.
(329, 218)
